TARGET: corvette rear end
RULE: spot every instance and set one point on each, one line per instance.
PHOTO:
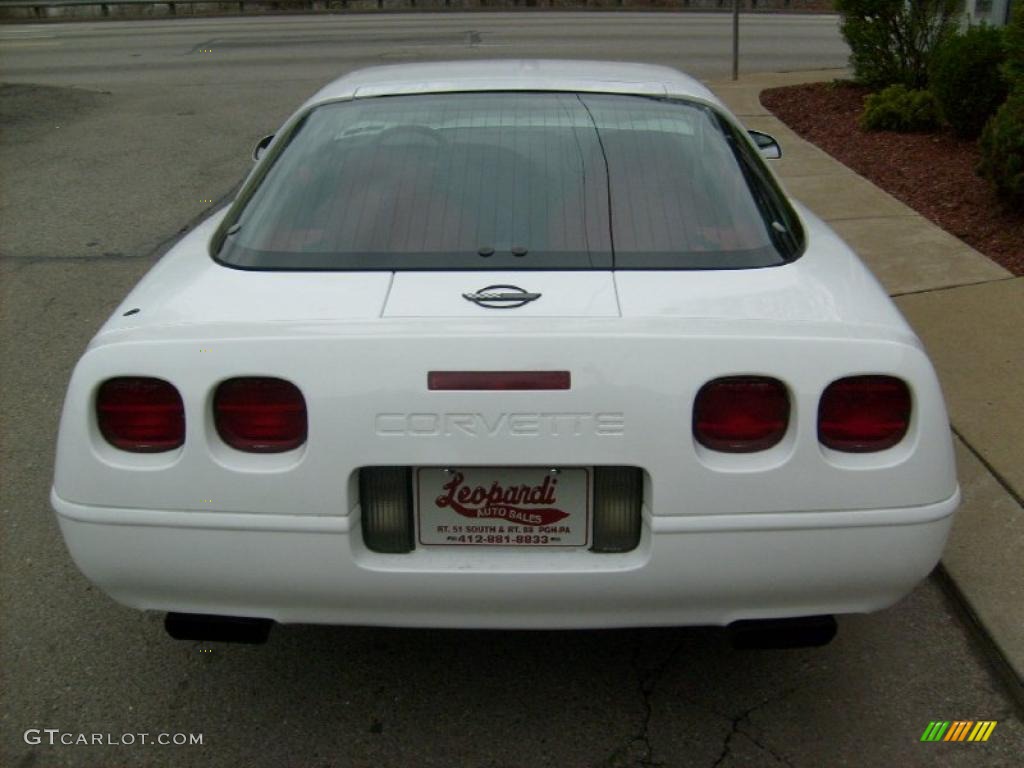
(554, 426)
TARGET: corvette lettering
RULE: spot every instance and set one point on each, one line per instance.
(515, 503)
(426, 424)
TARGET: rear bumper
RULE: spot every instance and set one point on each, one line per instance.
(688, 570)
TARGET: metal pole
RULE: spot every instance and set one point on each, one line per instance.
(735, 39)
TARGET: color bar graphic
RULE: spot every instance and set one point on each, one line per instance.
(935, 730)
(982, 730)
(958, 730)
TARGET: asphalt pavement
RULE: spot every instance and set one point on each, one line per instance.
(118, 136)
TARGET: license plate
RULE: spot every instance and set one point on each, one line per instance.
(503, 506)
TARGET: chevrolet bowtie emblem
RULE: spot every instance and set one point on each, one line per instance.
(501, 297)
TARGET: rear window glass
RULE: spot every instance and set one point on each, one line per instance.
(510, 180)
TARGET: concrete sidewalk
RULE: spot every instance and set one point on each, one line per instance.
(969, 311)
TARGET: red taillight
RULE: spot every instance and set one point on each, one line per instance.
(860, 414)
(260, 415)
(741, 414)
(140, 414)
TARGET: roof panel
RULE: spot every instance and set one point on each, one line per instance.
(514, 74)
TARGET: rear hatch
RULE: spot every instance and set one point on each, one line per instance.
(510, 294)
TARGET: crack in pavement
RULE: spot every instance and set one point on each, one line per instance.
(737, 728)
(943, 288)
(647, 680)
(649, 676)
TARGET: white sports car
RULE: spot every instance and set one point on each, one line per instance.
(509, 344)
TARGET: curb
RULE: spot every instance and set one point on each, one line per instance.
(986, 645)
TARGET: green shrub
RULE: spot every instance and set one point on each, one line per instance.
(892, 41)
(1014, 39)
(899, 109)
(967, 80)
(1002, 150)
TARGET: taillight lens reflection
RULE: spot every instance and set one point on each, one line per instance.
(860, 414)
(260, 414)
(741, 414)
(140, 414)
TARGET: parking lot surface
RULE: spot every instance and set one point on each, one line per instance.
(116, 138)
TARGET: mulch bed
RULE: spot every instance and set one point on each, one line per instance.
(933, 173)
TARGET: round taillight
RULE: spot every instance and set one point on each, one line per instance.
(860, 414)
(741, 414)
(140, 414)
(259, 414)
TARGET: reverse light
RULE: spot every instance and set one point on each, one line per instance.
(618, 496)
(385, 497)
(860, 414)
(140, 414)
(741, 414)
(260, 414)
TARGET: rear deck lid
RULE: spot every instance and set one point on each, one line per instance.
(502, 294)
